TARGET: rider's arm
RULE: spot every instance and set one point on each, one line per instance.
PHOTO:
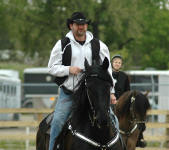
(55, 62)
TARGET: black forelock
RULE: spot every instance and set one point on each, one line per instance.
(142, 104)
(100, 73)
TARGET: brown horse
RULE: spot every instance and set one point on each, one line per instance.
(90, 126)
(131, 110)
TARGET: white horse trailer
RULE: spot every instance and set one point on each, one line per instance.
(39, 88)
(10, 92)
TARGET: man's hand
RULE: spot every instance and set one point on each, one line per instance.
(113, 99)
(74, 70)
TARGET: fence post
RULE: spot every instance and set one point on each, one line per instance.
(167, 130)
(39, 117)
(27, 141)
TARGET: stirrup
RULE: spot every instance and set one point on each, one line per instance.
(58, 146)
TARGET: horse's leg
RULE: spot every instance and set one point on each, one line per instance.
(64, 141)
(68, 141)
(47, 137)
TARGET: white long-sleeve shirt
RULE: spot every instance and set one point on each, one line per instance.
(79, 53)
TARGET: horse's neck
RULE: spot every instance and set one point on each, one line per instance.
(82, 123)
(101, 135)
(125, 123)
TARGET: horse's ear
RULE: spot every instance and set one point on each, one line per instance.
(146, 94)
(105, 64)
(86, 64)
(134, 93)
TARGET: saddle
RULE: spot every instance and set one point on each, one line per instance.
(45, 126)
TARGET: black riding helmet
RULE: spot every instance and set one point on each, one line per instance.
(117, 56)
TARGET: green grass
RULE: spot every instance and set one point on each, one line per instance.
(158, 144)
(14, 145)
(20, 145)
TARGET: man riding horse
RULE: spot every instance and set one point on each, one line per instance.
(79, 47)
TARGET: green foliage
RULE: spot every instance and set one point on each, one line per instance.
(154, 44)
(136, 29)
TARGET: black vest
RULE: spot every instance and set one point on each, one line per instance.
(67, 55)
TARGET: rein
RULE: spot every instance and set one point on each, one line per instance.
(93, 117)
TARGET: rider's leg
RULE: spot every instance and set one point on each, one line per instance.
(61, 114)
(114, 119)
(116, 123)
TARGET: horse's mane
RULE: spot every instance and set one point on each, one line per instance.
(124, 102)
(79, 98)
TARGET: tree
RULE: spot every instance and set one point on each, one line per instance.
(128, 27)
(5, 42)
(151, 49)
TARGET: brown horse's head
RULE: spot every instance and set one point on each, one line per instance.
(131, 110)
(133, 104)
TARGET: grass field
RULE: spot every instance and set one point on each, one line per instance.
(21, 145)
(16, 145)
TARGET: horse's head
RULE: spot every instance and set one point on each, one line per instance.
(140, 106)
(133, 104)
(98, 83)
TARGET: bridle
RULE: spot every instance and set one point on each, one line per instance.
(92, 115)
(93, 121)
(134, 121)
(132, 112)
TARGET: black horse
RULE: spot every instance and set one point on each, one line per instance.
(90, 126)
